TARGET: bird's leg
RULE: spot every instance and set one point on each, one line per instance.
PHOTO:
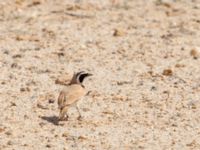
(79, 117)
(63, 114)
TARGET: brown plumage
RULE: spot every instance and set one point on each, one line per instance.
(71, 94)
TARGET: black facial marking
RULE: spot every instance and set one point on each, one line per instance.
(82, 76)
(77, 74)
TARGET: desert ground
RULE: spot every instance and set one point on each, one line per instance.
(145, 59)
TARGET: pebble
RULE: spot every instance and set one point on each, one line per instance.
(167, 72)
(194, 53)
(118, 32)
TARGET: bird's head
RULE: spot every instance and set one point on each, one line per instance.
(79, 77)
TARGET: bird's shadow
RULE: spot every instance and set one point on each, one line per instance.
(52, 119)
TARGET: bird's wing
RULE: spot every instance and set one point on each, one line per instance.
(61, 99)
(70, 95)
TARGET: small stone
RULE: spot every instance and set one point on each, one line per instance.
(19, 2)
(120, 97)
(19, 38)
(167, 72)
(17, 56)
(3, 82)
(48, 146)
(51, 100)
(191, 143)
(14, 65)
(192, 104)
(42, 124)
(56, 135)
(65, 135)
(82, 138)
(85, 109)
(41, 106)
(24, 89)
(93, 94)
(179, 65)
(26, 117)
(25, 145)
(153, 88)
(118, 32)
(60, 54)
(1, 130)
(13, 104)
(36, 2)
(194, 53)
(10, 143)
(50, 97)
(8, 133)
(6, 52)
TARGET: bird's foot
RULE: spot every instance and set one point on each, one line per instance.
(64, 118)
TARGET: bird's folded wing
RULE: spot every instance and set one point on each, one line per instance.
(70, 96)
(61, 99)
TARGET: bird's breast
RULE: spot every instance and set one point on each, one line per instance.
(72, 94)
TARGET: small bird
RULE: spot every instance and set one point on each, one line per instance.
(71, 94)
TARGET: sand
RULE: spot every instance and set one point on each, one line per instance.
(145, 57)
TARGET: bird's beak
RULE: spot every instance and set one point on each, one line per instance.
(89, 74)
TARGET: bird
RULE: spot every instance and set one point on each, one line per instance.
(71, 94)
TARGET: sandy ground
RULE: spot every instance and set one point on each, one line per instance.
(145, 57)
